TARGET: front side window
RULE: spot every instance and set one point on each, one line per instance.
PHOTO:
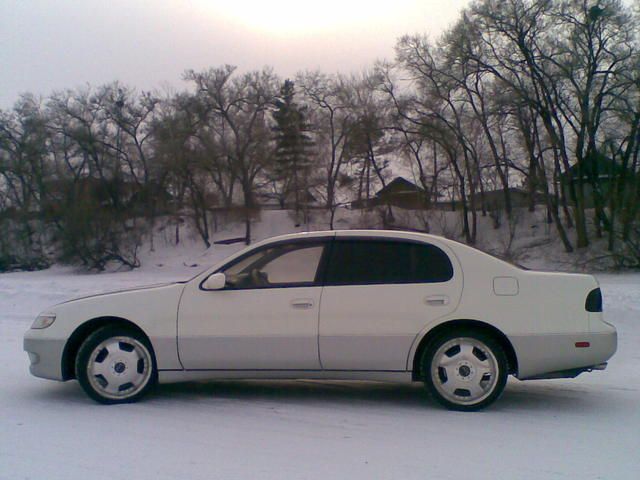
(278, 266)
(366, 262)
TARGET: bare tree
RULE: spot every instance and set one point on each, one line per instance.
(236, 109)
(332, 123)
(24, 169)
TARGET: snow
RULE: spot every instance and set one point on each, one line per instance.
(585, 428)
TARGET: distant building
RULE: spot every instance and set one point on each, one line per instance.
(105, 193)
(400, 192)
(495, 200)
(273, 201)
(597, 172)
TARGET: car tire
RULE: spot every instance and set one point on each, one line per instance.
(116, 365)
(464, 370)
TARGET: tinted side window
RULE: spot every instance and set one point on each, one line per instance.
(295, 266)
(373, 262)
(281, 265)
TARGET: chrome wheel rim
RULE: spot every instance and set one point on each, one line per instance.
(119, 367)
(464, 371)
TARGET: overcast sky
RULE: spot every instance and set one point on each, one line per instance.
(54, 44)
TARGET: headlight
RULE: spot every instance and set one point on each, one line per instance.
(44, 320)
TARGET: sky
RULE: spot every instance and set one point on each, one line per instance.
(48, 45)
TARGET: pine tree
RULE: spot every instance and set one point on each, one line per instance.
(293, 154)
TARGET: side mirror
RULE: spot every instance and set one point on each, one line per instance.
(217, 281)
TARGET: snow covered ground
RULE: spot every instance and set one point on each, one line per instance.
(586, 428)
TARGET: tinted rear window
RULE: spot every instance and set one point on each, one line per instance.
(364, 262)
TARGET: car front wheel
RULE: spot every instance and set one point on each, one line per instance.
(465, 370)
(115, 365)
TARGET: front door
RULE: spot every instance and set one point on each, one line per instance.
(266, 318)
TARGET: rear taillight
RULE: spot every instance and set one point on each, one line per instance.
(594, 301)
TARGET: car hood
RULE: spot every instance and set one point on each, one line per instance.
(122, 290)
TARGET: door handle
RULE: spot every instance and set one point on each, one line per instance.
(302, 303)
(437, 300)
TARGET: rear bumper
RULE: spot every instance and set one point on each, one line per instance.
(557, 356)
(570, 373)
(45, 356)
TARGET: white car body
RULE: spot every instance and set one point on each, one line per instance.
(346, 331)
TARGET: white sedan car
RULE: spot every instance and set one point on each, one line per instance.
(348, 305)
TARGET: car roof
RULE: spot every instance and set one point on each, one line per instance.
(368, 233)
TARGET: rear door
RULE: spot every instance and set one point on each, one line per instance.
(379, 294)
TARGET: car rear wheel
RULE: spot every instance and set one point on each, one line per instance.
(465, 370)
(116, 365)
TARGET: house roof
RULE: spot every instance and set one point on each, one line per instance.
(399, 185)
(594, 166)
(268, 198)
(500, 191)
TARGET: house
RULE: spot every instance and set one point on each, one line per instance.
(596, 172)
(112, 193)
(275, 201)
(400, 192)
(495, 200)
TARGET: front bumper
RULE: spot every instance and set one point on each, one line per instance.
(45, 355)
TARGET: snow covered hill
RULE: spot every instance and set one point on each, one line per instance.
(527, 239)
